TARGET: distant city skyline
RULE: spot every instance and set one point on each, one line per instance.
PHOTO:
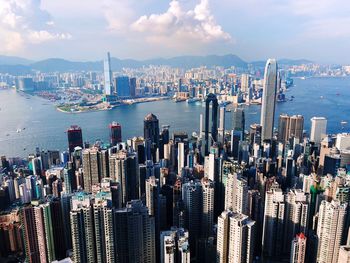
(86, 30)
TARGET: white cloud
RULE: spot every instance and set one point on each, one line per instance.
(176, 25)
(41, 36)
(24, 22)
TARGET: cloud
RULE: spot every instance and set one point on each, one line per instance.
(41, 36)
(176, 25)
(118, 14)
(24, 22)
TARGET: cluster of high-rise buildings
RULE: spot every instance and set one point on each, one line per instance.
(222, 194)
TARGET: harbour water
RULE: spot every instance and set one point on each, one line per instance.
(27, 122)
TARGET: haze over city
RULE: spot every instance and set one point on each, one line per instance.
(84, 30)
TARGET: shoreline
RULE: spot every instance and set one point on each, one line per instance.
(142, 100)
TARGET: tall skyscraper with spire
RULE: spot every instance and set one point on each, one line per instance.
(108, 75)
(269, 99)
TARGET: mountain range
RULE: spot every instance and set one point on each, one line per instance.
(20, 66)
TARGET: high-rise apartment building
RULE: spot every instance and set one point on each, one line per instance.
(245, 82)
(269, 99)
(344, 254)
(298, 249)
(274, 220)
(134, 234)
(103, 227)
(236, 195)
(192, 197)
(297, 215)
(174, 246)
(330, 228)
(91, 168)
(235, 238)
(82, 229)
(124, 169)
(208, 188)
(30, 235)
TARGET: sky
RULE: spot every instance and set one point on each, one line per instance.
(252, 29)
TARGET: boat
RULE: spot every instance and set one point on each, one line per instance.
(228, 110)
(343, 122)
(18, 130)
(179, 100)
(192, 100)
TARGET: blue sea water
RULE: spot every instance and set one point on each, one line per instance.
(45, 126)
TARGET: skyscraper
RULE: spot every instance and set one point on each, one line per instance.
(236, 196)
(344, 254)
(269, 99)
(180, 157)
(296, 127)
(122, 87)
(245, 82)
(330, 227)
(124, 169)
(75, 137)
(221, 130)
(151, 129)
(174, 246)
(290, 126)
(108, 76)
(134, 234)
(82, 226)
(103, 227)
(211, 98)
(297, 215)
(132, 87)
(193, 201)
(115, 133)
(298, 249)
(318, 129)
(91, 168)
(274, 220)
(235, 238)
(208, 188)
(238, 120)
(31, 243)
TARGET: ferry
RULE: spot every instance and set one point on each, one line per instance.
(179, 100)
(193, 100)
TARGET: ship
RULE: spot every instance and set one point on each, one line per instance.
(193, 100)
(179, 99)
